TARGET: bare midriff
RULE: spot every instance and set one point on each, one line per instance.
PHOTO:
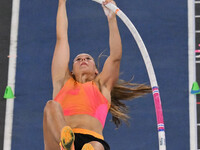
(85, 122)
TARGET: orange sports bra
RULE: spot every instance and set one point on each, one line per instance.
(83, 98)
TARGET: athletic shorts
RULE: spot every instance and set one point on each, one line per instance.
(83, 136)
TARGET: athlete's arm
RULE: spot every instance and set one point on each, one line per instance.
(110, 72)
(60, 70)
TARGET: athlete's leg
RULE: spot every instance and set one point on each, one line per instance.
(94, 145)
(53, 124)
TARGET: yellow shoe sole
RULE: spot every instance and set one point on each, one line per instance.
(67, 138)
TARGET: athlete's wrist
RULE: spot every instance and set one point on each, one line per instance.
(62, 2)
(112, 20)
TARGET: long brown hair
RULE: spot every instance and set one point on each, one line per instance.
(124, 91)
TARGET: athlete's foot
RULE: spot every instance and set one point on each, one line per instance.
(87, 146)
(67, 139)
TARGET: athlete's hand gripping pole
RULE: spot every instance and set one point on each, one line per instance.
(150, 70)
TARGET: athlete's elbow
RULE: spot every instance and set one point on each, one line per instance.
(61, 37)
(116, 55)
(117, 58)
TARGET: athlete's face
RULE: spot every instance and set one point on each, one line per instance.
(84, 63)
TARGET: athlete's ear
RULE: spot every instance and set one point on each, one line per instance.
(96, 72)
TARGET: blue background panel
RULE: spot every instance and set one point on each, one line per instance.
(163, 28)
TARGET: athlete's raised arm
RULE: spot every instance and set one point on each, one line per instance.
(110, 72)
(60, 70)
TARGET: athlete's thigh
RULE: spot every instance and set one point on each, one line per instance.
(49, 141)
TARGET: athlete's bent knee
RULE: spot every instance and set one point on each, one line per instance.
(51, 105)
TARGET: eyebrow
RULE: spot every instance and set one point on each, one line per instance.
(84, 55)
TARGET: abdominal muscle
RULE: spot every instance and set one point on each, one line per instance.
(85, 122)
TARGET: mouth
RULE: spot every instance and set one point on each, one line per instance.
(83, 63)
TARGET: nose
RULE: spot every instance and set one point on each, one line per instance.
(83, 59)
